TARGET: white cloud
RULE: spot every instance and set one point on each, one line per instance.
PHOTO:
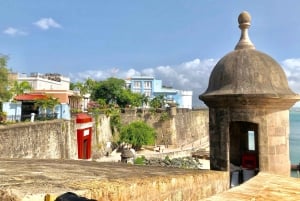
(47, 23)
(192, 64)
(191, 75)
(148, 71)
(292, 71)
(14, 32)
(130, 73)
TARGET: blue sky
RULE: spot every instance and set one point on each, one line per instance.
(178, 41)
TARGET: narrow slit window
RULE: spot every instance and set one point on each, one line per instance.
(251, 141)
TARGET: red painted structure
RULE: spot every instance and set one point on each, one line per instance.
(30, 97)
(84, 135)
(249, 161)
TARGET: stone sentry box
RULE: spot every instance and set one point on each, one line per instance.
(249, 100)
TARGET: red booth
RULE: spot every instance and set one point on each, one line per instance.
(84, 126)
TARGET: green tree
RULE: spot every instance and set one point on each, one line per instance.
(20, 87)
(90, 84)
(102, 103)
(5, 93)
(137, 134)
(78, 86)
(42, 105)
(46, 103)
(72, 86)
(113, 91)
(128, 98)
(157, 102)
(145, 100)
(109, 90)
(51, 103)
(136, 99)
(83, 87)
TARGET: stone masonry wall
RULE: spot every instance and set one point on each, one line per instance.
(191, 187)
(273, 140)
(57, 139)
(101, 134)
(49, 139)
(191, 126)
(185, 127)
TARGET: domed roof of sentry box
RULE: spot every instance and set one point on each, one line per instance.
(246, 71)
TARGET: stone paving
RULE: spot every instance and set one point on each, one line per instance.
(31, 180)
(263, 187)
(27, 177)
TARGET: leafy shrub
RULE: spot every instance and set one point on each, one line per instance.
(137, 134)
(164, 116)
(140, 160)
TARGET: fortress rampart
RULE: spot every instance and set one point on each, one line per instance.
(57, 139)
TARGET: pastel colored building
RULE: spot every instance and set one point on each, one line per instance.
(151, 88)
(52, 84)
(43, 85)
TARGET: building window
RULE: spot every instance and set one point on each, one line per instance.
(147, 93)
(251, 141)
(147, 84)
(137, 84)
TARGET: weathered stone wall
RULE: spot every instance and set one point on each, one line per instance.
(191, 126)
(101, 135)
(185, 127)
(102, 128)
(191, 187)
(32, 179)
(58, 139)
(273, 142)
(49, 139)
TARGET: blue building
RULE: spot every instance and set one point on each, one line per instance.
(151, 88)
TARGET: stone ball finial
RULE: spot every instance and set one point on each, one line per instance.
(244, 17)
(244, 20)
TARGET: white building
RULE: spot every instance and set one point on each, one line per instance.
(49, 81)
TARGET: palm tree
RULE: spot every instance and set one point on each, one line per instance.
(82, 88)
(145, 100)
(157, 102)
(42, 105)
(51, 103)
(47, 103)
(20, 87)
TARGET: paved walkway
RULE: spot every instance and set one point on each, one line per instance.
(31, 179)
(116, 156)
(263, 187)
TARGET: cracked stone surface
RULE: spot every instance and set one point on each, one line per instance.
(25, 177)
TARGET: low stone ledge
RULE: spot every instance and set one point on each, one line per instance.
(263, 187)
(31, 180)
(171, 187)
